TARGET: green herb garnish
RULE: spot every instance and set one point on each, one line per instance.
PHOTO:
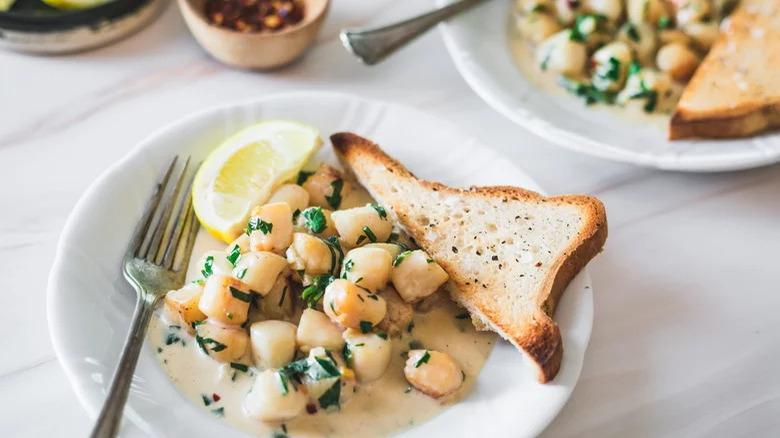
(380, 210)
(381, 334)
(366, 326)
(208, 267)
(334, 200)
(424, 359)
(302, 177)
(315, 219)
(398, 260)
(239, 295)
(331, 396)
(348, 265)
(235, 254)
(239, 366)
(284, 293)
(258, 224)
(370, 234)
(314, 292)
(347, 353)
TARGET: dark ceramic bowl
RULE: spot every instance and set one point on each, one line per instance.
(35, 27)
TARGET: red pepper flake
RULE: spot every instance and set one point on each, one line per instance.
(311, 408)
(216, 397)
(254, 15)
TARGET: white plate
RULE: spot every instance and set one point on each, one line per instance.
(478, 43)
(89, 304)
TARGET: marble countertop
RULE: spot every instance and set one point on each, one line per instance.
(686, 338)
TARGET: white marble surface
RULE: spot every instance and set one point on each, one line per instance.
(686, 339)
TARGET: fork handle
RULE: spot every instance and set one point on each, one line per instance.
(373, 45)
(107, 425)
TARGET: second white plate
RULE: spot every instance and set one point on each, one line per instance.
(478, 42)
(89, 304)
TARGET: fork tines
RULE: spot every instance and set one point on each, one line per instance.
(158, 239)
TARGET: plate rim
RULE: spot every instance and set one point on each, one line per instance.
(58, 265)
(578, 142)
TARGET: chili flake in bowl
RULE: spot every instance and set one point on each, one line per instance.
(255, 15)
(255, 34)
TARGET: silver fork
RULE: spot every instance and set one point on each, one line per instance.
(149, 267)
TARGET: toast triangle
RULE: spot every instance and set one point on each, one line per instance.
(509, 252)
(735, 92)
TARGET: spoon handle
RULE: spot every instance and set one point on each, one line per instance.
(374, 45)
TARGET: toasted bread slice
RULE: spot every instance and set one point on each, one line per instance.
(509, 252)
(735, 92)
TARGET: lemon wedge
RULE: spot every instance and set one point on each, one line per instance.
(241, 173)
(6, 4)
(75, 4)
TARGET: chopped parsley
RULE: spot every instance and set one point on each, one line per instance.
(408, 390)
(239, 295)
(240, 274)
(234, 255)
(539, 8)
(296, 213)
(605, 74)
(314, 292)
(424, 359)
(415, 345)
(347, 353)
(370, 234)
(331, 396)
(258, 224)
(588, 92)
(348, 265)
(335, 249)
(398, 260)
(410, 327)
(634, 68)
(208, 267)
(334, 200)
(220, 412)
(393, 237)
(303, 176)
(239, 366)
(366, 326)
(664, 22)
(284, 293)
(381, 211)
(203, 342)
(381, 334)
(632, 33)
(315, 219)
(317, 368)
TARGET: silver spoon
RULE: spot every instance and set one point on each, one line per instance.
(374, 45)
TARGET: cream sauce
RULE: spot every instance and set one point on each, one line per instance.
(378, 408)
(632, 112)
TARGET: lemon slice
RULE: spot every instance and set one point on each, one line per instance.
(6, 4)
(241, 173)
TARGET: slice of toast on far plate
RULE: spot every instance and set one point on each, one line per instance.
(509, 252)
(735, 92)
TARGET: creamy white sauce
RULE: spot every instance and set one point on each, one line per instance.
(378, 408)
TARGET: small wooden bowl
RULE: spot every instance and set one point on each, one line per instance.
(255, 50)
